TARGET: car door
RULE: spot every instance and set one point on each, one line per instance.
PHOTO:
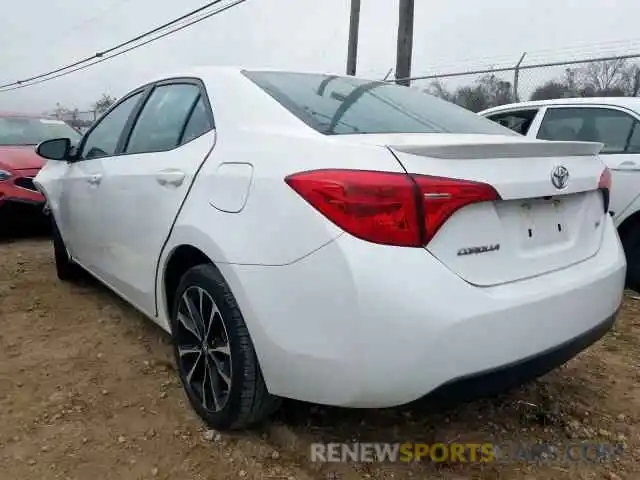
(77, 214)
(143, 187)
(616, 128)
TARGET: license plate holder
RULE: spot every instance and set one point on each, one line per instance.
(544, 222)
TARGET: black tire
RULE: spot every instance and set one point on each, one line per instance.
(66, 269)
(631, 243)
(243, 402)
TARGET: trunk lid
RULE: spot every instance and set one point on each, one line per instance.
(535, 228)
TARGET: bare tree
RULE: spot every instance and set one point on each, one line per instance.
(104, 103)
(614, 78)
(552, 89)
(602, 76)
(488, 91)
(498, 91)
(631, 80)
(437, 89)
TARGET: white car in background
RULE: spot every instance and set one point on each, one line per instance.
(335, 240)
(612, 121)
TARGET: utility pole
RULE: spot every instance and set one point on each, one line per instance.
(516, 78)
(354, 28)
(405, 42)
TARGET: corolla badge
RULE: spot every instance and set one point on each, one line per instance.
(560, 177)
(477, 250)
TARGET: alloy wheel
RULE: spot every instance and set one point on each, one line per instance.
(203, 349)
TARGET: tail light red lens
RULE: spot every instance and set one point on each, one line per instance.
(375, 206)
(388, 208)
(442, 197)
(605, 179)
(605, 186)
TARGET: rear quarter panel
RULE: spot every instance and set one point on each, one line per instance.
(274, 226)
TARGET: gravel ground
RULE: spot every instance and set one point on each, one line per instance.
(88, 391)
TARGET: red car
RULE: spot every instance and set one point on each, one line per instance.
(19, 163)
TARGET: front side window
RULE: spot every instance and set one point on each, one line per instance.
(346, 105)
(611, 127)
(32, 131)
(162, 120)
(519, 121)
(102, 141)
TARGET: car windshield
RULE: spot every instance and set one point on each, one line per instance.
(32, 131)
(335, 105)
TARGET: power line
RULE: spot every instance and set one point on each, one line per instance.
(104, 59)
(100, 55)
(596, 49)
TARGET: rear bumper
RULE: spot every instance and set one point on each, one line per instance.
(498, 380)
(362, 325)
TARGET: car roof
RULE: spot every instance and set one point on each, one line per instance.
(212, 70)
(632, 103)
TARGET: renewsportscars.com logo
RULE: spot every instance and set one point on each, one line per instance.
(463, 452)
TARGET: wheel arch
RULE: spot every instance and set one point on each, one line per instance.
(181, 259)
(628, 223)
(187, 247)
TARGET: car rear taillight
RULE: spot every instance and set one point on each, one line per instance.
(375, 206)
(605, 187)
(387, 208)
(442, 197)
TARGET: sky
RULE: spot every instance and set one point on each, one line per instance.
(450, 35)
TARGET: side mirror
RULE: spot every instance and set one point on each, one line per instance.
(55, 149)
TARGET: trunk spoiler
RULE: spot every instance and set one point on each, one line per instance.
(466, 150)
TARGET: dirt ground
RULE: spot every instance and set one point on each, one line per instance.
(88, 391)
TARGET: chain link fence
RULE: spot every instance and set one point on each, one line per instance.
(80, 120)
(481, 89)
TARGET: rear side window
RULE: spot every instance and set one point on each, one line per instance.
(611, 127)
(634, 140)
(520, 121)
(346, 105)
(162, 119)
(199, 122)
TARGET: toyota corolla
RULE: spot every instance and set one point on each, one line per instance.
(335, 240)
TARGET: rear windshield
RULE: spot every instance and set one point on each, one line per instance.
(346, 105)
(32, 131)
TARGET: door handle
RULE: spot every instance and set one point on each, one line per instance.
(94, 179)
(172, 178)
(627, 165)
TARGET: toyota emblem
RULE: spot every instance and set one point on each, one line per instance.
(560, 177)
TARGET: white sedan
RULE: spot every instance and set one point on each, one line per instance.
(335, 240)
